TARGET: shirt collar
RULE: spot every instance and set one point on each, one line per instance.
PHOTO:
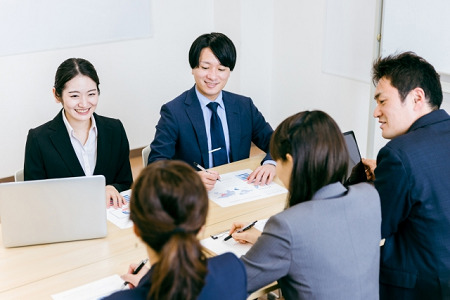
(205, 101)
(70, 128)
(330, 191)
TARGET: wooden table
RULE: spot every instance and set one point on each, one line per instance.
(37, 272)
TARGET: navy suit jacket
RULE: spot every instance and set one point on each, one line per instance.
(226, 279)
(181, 133)
(49, 153)
(413, 180)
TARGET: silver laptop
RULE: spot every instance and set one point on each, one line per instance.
(52, 210)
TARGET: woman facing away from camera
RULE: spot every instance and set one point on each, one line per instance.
(79, 142)
(168, 207)
(325, 244)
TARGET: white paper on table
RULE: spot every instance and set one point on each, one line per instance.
(219, 246)
(233, 189)
(121, 216)
(93, 291)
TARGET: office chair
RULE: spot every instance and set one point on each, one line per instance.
(145, 154)
(18, 176)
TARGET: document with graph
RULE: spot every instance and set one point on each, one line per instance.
(121, 216)
(233, 189)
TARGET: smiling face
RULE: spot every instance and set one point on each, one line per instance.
(395, 116)
(210, 75)
(79, 99)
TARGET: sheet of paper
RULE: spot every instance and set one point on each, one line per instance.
(93, 291)
(219, 246)
(121, 216)
(233, 189)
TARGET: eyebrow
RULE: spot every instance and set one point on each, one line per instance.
(71, 92)
(377, 95)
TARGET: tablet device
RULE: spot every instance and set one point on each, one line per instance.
(356, 172)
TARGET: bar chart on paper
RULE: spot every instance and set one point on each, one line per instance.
(233, 188)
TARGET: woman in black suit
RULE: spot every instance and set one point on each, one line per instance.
(78, 142)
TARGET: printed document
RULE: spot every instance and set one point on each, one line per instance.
(217, 245)
(121, 216)
(233, 189)
(93, 291)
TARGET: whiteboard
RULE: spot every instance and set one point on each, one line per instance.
(30, 25)
(419, 26)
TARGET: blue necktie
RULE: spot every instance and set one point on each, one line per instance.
(220, 157)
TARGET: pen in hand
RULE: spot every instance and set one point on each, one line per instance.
(141, 265)
(241, 230)
(203, 169)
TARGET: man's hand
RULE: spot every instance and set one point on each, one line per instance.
(209, 178)
(369, 167)
(262, 175)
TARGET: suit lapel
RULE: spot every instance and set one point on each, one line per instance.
(104, 143)
(62, 144)
(195, 115)
(234, 124)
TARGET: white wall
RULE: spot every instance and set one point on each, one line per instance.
(136, 77)
(280, 46)
(299, 82)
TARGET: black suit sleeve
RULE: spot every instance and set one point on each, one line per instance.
(123, 177)
(34, 168)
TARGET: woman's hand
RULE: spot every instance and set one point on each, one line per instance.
(248, 236)
(133, 279)
(113, 197)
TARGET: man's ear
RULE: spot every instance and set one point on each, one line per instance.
(419, 98)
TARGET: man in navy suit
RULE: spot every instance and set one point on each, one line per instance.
(412, 177)
(185, 129)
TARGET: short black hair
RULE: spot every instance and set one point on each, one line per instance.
(406, 71)
(222, 47)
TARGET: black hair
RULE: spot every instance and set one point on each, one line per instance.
(406, 71)
(222, 47)
(69, 69)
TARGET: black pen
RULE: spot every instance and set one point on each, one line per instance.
(203, 169)
(141, 265)
(241, 230)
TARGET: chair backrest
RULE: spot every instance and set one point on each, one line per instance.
(145, 154)
(18, 176)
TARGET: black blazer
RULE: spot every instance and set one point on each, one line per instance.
(49, 153)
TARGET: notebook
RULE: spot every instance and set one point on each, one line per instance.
(355, 171)
(52, 210)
